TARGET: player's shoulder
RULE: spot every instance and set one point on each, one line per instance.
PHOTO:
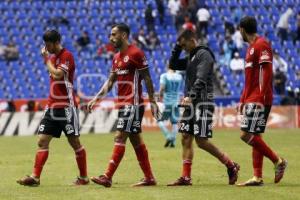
(262, 42)
(163, 75)
(66, 53)
(134, 50)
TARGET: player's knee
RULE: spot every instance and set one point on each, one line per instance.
(120, 138)
(201, 142)
(186, 140)
(74, 142)
(43, 144)
(244, 137)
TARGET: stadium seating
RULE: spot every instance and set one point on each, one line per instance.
(25, 21)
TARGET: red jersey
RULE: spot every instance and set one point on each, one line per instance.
(258, 73)
(61, 91)
(127, 65)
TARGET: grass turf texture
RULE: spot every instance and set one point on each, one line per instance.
(209, 176)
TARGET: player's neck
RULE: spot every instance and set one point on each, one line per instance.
(251, 38)
(58, 50)
(124, 47)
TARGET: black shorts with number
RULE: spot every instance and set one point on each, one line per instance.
(197, 121)
(255, 118)
(56, 120)
(130, 118)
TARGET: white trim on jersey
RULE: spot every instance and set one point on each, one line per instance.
(72, 105)
(136, 87)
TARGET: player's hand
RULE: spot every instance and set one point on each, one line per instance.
(155, 110)
(186, 101)
(44, 52)
(240, 107)
(91, 104)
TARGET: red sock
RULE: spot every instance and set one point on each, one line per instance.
(40, 159)
(118, 153)
(257, 159)
(81, 161)
(186, 168)
(226, 161)
(142, 156)
(258, 143)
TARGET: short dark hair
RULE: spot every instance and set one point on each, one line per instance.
(249, 24)
(122, 27)
(52, 36)
(187, 34)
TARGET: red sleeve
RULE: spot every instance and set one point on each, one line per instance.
(140, 60)
(242, 99)
(66, 62)
(267, 74)
(264, 53)
(114, 64)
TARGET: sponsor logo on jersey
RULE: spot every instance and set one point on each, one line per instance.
(265, 55)
(122, 71)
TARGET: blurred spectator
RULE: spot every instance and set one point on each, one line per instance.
(228, 48)
(11, 52)
(2, 50)
(237, 14)
(298, 26)
(203, 20)
(188, 25)
(179, 21)
(141, 39)
(279, 63)
(11, 106)
(237, 63)
(184, 3)
(59, 20)
(192, 10)
(105, 51)
(174, 6)
(30, 106)
(161, 10)
(238, 39)
(83, 41)
(279, 82)
(289, 99)
(283, 24)
(149, 17)
(229, 26)
(152, 40)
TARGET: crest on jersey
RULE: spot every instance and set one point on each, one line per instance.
(126, 58)
(251, 51)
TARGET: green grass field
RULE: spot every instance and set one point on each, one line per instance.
(209, 176)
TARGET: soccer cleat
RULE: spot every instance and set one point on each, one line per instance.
(29, 181)
(172, 145)
(102, 180)
(145, 182)
(81, 181)
(182, 181)
(255, 181)
(233, 173)
(168, 142)
(279, 170)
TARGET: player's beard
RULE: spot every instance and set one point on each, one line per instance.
(117, 44)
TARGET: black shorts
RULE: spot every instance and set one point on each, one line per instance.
(197, 121)
(255, 118)
(56, 120)
(130, 118)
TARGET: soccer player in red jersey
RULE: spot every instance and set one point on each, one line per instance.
(61, 113)
(129, 67)
(256, 101)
